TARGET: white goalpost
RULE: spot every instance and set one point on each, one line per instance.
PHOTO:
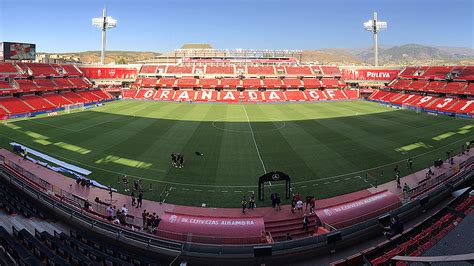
(73, 107)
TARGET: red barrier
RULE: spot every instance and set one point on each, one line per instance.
(359, 210)
(218, 227)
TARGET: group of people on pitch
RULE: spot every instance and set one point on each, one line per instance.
(177, 160)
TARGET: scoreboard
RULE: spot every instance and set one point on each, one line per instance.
(17, 51)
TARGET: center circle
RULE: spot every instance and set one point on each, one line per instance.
(265, 125)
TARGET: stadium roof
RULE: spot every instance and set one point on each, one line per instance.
(196, 46)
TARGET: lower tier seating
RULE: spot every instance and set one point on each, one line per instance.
(204, 95)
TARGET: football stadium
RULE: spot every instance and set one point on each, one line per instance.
(206, 156)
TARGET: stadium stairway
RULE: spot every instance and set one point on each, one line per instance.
(294, 226)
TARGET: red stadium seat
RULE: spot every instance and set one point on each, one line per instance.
(26, 85)
(230, 83)
(292, 83)
(261, 70)
(41, 69)
(179, 70)
(272, 83)
(71, 70)
(331, 71)
(148, 69)
(208, 83)
(298, 71)
(37, 102)
(312, 83)
(224, 70)
(15, 105)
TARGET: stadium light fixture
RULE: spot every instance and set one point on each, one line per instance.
(375, 26)
(104, 23)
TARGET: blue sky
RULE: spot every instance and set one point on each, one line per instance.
(146, 25)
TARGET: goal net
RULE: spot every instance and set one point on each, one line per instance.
(416, 108)
(73, 107)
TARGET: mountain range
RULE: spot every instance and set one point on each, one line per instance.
(408, 54)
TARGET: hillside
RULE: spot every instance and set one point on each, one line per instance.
(112, 56)
(409, 54)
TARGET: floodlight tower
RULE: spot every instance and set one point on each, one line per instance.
(375, 26)
(104, 23)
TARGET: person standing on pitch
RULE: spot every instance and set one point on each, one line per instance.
(244, 204)
(397, 178)
(140, 200)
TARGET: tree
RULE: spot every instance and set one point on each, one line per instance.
(120, 61)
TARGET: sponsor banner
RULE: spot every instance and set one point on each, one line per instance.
(369, 74)
(224, 227)
(359, 210)
(109, 72)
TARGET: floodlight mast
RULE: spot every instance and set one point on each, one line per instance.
(104, 23)
(375, 26)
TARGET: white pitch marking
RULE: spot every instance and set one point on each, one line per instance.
(254, 141)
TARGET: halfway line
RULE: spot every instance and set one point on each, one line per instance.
(254, 141)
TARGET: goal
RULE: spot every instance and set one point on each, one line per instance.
(73, 107)
(416, 108)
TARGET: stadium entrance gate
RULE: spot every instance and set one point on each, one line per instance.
(273, 177)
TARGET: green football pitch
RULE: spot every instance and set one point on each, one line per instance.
(327, 148)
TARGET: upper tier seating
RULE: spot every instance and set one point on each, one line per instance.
(466, 74)
(317, 70)
(45, 84)
(408, 72)
(228, 70)
(26, 85)
(261, 70)
(437, 72)
(199, 70)
(71, 70)
(401, 84)
(37, 102)
(148, 69)
(15, 105)
(42, 69)
(208, 83)
(179, 70)
(332, 71)
(298, 70)
(7, 67)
